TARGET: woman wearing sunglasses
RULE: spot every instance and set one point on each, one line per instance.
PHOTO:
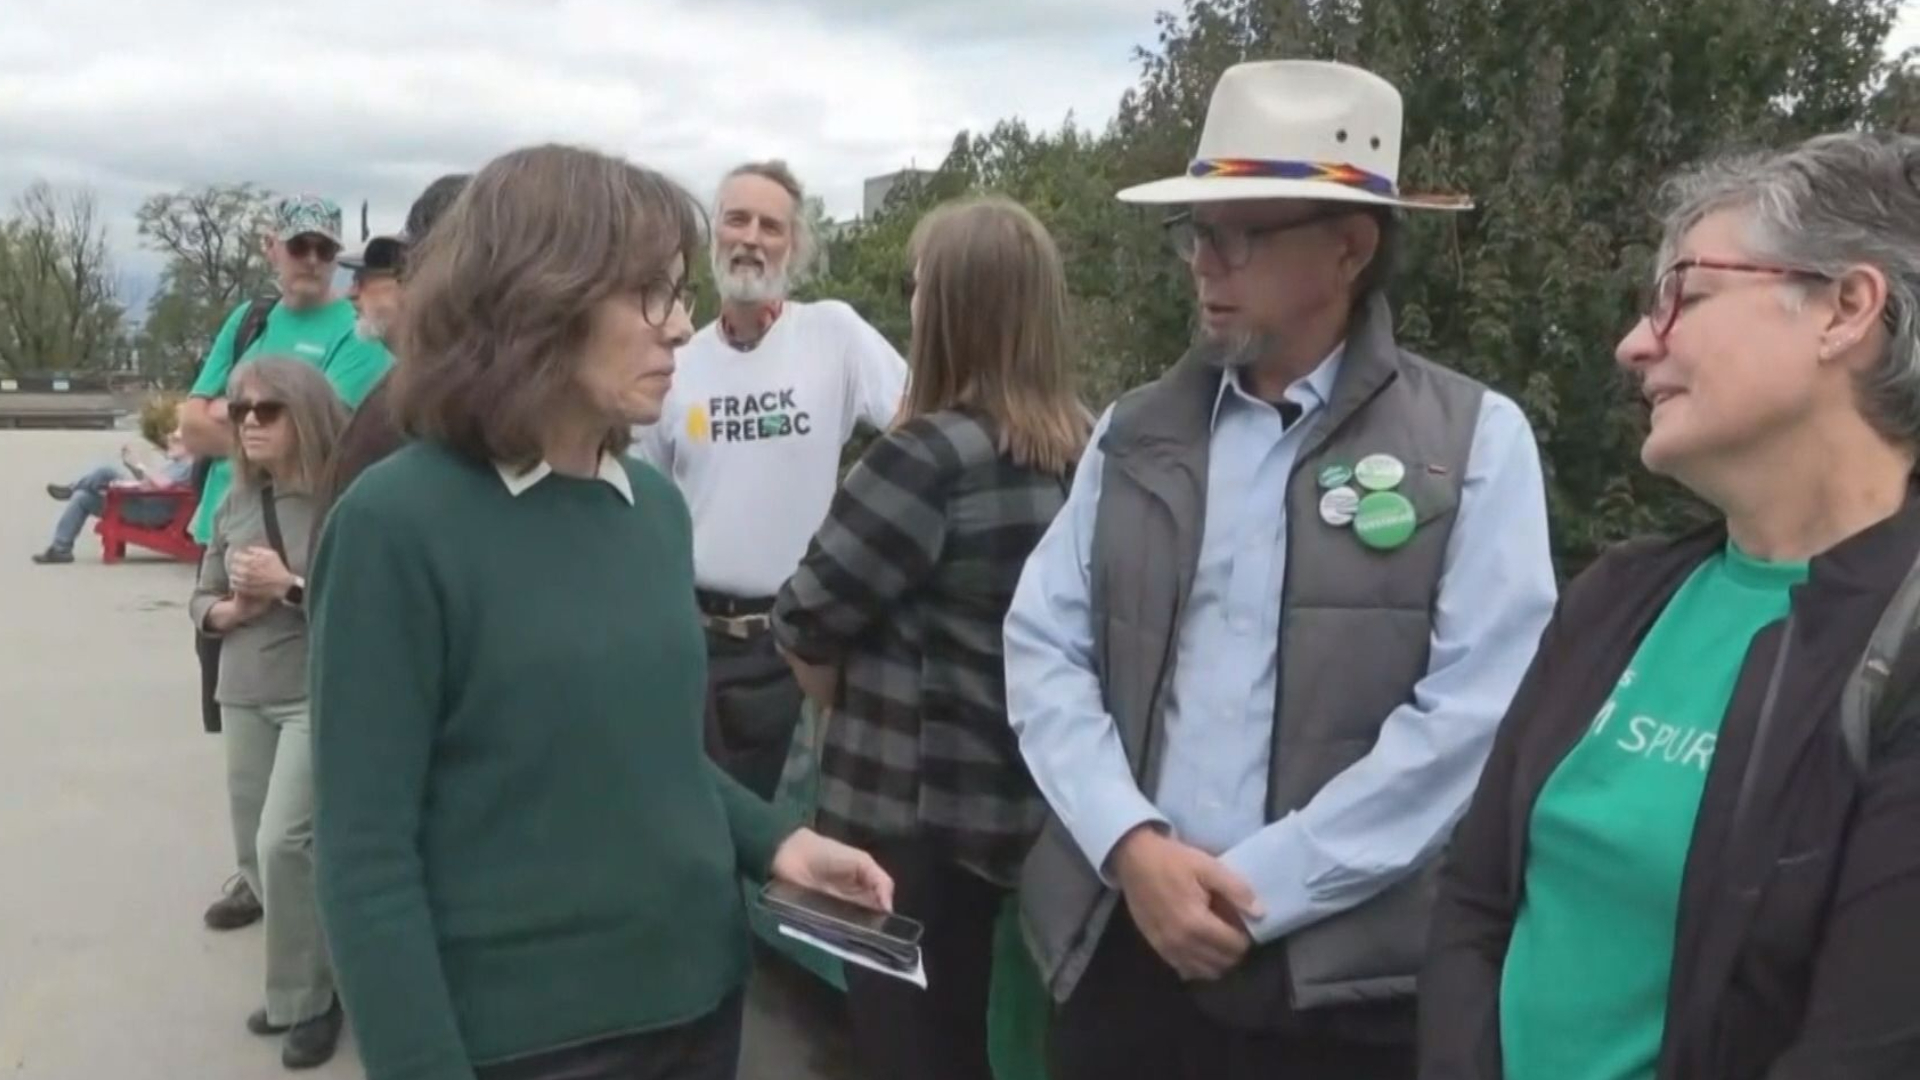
(1674, 868)
(529, 868)
(251, 593)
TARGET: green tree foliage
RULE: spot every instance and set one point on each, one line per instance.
(212, 240)
(1560, 117)
(58, 309)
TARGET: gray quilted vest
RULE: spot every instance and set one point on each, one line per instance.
(1354, 636)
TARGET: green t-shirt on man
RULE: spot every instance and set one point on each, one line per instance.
(1584, 992)
(313, 335)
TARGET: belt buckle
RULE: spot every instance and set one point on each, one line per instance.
(739, 627)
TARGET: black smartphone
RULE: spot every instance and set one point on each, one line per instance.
(811, 906)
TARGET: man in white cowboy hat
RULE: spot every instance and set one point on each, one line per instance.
(1257, 662)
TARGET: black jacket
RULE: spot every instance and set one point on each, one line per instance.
(1798, 947)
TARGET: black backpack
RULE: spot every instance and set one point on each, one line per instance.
(252, 325)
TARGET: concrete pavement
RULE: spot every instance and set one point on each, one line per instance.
(114, 836)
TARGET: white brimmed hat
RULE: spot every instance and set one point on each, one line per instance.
(1298, 129)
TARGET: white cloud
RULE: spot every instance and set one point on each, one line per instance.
(373, 98)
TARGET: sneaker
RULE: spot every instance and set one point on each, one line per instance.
(238, 908)
(310, 1044)
(61, 492)
(54, 556)
(261, 1026)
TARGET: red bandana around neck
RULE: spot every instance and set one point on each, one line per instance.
(768, 315)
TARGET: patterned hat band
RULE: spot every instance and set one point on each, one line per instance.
(1322, 171)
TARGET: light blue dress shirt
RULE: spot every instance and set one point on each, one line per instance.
(1387, 813)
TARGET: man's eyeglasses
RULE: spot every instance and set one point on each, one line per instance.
(657, 300)
(267, 412)
(312, 247)
(1662, 304)
(1234, 246)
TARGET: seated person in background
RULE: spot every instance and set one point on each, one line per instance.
(87, 496)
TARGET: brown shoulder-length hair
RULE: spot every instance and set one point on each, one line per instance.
(991, 330)
(501, 293)
(313, 408)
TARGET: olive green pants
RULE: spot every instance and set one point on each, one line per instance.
(270, 786)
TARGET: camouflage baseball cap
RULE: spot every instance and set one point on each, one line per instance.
(307, 215)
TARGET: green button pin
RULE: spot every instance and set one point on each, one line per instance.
(1334, 476)
(1380, 472)
(1385, 521)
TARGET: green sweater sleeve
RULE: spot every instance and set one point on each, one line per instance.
(758, 827)
(377, 642)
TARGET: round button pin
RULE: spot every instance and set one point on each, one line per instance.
(1334, 476)
(1384, 521)
(1338, 507)
(1380, 472)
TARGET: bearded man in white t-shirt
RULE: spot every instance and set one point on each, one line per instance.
(764, 398)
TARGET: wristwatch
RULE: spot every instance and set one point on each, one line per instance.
(297, 592)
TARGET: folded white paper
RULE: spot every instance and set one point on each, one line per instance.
(918, 976)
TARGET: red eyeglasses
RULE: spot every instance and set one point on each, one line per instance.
(1662, 303)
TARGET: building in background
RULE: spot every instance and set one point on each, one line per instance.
(879, 187)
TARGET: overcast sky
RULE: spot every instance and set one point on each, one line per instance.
(373, 98)
(370, 99)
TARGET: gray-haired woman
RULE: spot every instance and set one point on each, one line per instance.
(1673, 868)
(251, 594)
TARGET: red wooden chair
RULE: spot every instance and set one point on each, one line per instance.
(172, 539)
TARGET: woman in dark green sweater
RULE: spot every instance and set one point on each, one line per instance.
(528, 866)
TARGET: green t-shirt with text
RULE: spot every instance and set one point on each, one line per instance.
(354, 365)
(1584, 992)
(310, 335)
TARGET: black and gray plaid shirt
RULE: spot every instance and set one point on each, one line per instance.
(905, 587)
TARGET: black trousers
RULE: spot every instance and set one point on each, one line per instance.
(208, 650)
(706, 1049)
(939, 1033)
(1131, 1015)
(753, 705)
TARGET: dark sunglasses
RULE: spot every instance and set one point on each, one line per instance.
(266, 412)
(909, 284)
(301, 247)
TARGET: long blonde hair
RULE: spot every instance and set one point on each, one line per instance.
(314, 410)
(990, 329)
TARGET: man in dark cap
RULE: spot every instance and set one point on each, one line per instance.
(375, 290)
(377, 294)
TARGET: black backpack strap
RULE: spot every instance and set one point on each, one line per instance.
(252, 325)
(271, 514)
(202, 466)
(1880, 695)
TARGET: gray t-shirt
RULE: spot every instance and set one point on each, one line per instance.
(262, 662)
